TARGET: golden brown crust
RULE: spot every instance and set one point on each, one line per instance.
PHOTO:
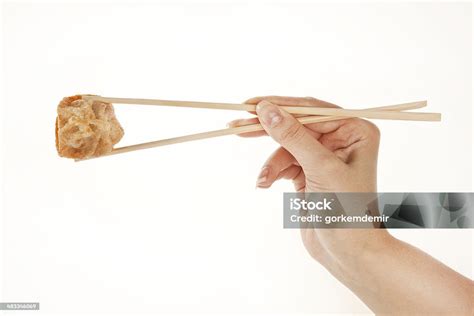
(86, 128)
(56, 130)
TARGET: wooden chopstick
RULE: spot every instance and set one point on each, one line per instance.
(383, 115)
(396, 107)
(186, 104)
(248, 128)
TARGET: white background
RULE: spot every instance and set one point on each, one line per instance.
(181, 228)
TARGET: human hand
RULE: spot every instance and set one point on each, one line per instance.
(334, 156)
(341, 156)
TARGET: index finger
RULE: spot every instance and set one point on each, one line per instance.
(292, 101)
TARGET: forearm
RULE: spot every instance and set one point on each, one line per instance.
(392, 277)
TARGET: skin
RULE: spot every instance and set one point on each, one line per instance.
(388, 275)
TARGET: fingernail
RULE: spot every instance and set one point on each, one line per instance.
(232, 123)
(270, 113)
(263, 176)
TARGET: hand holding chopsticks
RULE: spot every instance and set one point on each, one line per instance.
(383, 115)
(392, 112)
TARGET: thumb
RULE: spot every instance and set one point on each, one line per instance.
(293, 136)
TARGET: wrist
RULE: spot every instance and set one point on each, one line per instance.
(352, 264)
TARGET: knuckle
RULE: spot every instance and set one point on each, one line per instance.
(373, 130)
(311, 101)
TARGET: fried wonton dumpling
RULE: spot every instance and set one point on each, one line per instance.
(86, 128)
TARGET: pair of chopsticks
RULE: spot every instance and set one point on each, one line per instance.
(391, 112)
